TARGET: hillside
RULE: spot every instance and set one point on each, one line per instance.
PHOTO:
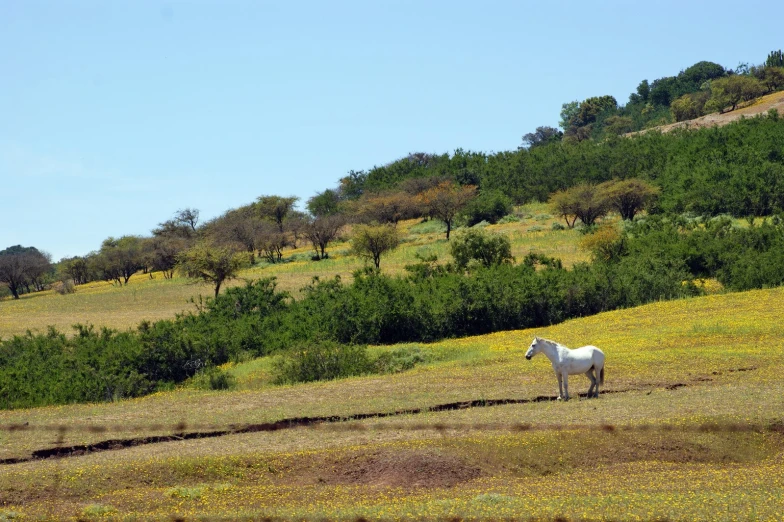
(688, 426)
(757, 107)
(151, 297)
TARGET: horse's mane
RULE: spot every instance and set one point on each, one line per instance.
(555, 343)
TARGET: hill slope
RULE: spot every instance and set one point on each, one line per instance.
(757, 107)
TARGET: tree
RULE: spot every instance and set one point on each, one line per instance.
(773, 78)
(21, 267)
(236, 228)
(275, 208)
(618, 124)
(542, 136)
(732, 90)
(568, 112)
(488, 249)
(212, 264)
(322, 230)
(775, 59)
(489, 205)
(584, 202)
(628, 196)
(118, 259)
(271, 242)
(384, 207)
(162, 253)
(353, 185)
(188, 217)
(690, 106)
(325, 203)
(446, 200)
(75, 268)
(371, 241)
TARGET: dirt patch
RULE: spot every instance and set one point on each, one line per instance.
(754, 108)
(404, 469)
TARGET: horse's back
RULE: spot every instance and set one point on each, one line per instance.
(597, 356)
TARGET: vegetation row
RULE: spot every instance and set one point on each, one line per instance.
(324, 332)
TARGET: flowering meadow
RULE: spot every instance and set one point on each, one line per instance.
(688, 427)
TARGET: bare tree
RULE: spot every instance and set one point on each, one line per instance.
(21, 267)
(323, 230)
(187, 216)
(446, 200)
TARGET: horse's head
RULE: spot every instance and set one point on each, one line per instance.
(534, 348)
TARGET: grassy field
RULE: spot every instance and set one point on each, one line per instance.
(691, 428)
(104, 304)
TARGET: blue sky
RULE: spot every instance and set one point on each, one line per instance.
(114, 114)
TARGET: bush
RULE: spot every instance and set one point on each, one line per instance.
(214, 378)
(485, 248)
(399, 360)
(321, 361)
(65, 286)
(490, 206)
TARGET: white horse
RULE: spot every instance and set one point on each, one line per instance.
(587, 359)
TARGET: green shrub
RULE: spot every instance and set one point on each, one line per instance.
(213, 378)
(399, 360)
(321, 361)
(98, 510)
(490, 206)
(480, 246)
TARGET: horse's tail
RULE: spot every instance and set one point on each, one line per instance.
(601, 375)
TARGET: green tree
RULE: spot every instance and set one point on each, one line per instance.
(489, 205)
(773, 78)
(568, 113)
(371, 241)
(324, 204)
(542, 136)
(212, 264)
(584, 202)
(275, 208)
(775, 59)
(689, 106)
(120, 258)
(733, 90)
(628, 196)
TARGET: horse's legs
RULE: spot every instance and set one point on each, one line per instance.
(566, 386)
(596, 392)
(560, 385)
(593, 380)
